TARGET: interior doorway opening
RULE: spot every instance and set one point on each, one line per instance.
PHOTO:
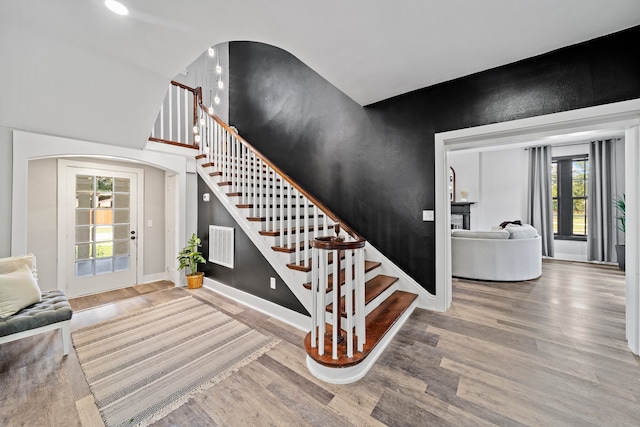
(622, 116)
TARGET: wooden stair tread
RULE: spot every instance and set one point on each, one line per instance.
(264, 219)
(287, 249)
(285, 232)
(372, 289)
(378, 323)
(368, 266)
(307, 268)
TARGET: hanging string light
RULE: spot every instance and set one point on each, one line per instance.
(212, 52)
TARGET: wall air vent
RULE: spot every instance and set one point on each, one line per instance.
(221, 245)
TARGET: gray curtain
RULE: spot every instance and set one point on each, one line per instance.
(601, 229)
(539, 202)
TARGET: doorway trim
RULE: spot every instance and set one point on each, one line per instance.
(620, 115)
(63, 188)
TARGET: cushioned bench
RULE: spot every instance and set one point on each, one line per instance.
(52, 312)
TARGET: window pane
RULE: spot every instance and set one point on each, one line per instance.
(83, 234)
(104, 249)
(84, 268)
(105, 200)
(122, 185)
(122, 200)
(84, 200)
(104, 184)
(104, 216)
(83, 217)
(554, 179)
(84, 251)
(121, 248)
(104, 266)
(121, 263)
(84, 183)
(122, 216)
(555, 215)
(104, 233)
(121, 232)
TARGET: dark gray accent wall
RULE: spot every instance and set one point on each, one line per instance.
(252, 271)
(374, 166)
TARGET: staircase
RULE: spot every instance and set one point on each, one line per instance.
(356, 302)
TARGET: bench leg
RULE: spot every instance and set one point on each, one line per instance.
(65, 330)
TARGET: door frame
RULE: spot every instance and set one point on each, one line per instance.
(623, 115)
(62, 213)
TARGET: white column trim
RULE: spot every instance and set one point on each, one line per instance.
(632, 236)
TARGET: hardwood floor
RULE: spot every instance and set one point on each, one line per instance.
(547, 352)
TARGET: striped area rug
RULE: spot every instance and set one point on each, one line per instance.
(142, 366)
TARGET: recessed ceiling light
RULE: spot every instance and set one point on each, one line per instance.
(116, 7)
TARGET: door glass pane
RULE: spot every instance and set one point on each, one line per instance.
(104, 266)
(122, 216)
(121, 248)
(121, 232)
(122, 185)
(83, 234)
(104, 249)
(84, 268)
(84, 183)
(121, 200)
(83, 216)
(104, 216)
(84, 200)
(121, 263)
(84, 251)
(104, 233)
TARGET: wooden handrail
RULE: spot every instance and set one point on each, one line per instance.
(286, 177)
(190, 89)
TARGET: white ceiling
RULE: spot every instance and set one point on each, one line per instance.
(74, 69)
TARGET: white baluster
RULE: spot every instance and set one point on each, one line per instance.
(360, 313)
(298, 225)
(314, 299)
(336, 305)
(322, 313)
(289, 214)
(348, 299)
(283, 211)
(186, 117)
(305, 246)
(270, 199)
(170, 113)
(316, 221)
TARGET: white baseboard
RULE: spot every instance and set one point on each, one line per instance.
(283, 314)
(148, 278)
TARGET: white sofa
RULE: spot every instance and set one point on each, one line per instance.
(497, 255)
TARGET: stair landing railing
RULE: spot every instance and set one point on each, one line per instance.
(328, 255)
(176, 123)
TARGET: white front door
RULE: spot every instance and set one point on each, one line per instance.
(101, 241)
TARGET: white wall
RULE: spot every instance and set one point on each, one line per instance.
(497, 184)
(6, 171)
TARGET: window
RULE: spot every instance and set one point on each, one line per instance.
(569, 180)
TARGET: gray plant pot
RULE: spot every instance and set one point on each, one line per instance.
(620, 254)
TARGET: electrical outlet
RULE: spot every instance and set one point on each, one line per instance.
(272, 283)
(428, 215)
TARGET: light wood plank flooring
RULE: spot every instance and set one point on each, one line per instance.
(548, 352)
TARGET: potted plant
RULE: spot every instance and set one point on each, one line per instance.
(620, 204)
(189, 257)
